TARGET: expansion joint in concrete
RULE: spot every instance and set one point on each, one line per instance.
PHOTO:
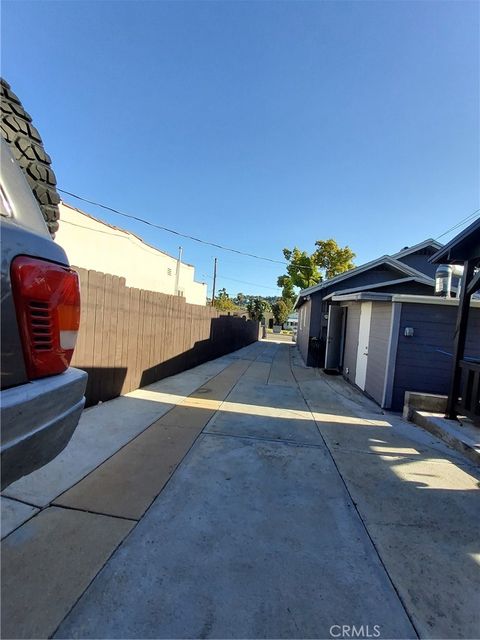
(330, 452)
(290, 443)
(95, 513)
(29, 504)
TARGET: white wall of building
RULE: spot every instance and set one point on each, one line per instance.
(292, 321)
(96, 245)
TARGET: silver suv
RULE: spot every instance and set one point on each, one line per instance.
(41, 396)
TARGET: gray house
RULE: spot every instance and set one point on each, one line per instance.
(407, 272)
(387, 344)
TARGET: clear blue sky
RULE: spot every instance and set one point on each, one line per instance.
(259, 125)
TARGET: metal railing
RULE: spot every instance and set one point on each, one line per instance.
(468, 403)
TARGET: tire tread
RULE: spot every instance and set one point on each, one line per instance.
(27, 147)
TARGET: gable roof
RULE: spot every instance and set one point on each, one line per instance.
(465, 246)
(387, 260)
(417, 247)
(379, 285)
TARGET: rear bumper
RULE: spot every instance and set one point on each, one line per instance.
(37, 421)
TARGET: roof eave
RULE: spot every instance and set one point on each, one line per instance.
(459, 247)
(430, 242)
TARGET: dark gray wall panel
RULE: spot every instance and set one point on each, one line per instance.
(351, 341)
(420, 263)
(424, 361)
(315, 316)
(409, 288)
(303, 330)
(373, 276)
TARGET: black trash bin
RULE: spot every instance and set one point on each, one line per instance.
(316, 352)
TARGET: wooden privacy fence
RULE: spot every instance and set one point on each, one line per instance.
(129, 337)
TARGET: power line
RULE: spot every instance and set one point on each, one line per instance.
(219, 246)
(253, 284)
(177, 233)
(458, 224)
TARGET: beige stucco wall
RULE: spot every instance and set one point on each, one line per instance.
(93, 244)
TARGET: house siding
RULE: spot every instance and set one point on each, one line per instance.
(409, 288)
(316, 318)
(372, 276)
(303, 331)
(309, 325)
(420, 262)
(316, 331)
(376, 275)
(351, 341)
(378, 349)
(318, 325)
(424, 361)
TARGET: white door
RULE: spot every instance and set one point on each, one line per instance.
(363, 338)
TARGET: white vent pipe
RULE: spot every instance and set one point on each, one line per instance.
(443, 279)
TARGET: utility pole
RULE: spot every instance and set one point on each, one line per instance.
(177, 274)
(214, 280)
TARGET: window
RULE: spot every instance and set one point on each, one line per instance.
(181, 293)
(169, 271)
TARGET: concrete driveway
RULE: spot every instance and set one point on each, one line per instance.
(250, 497)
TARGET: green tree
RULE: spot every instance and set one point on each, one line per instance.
(288, 292)
(304, 270)
(332, 259)
(241, 299)
(223, 302)
(256, 308)
(280, 311)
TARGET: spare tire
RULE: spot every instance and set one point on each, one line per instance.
(27, 147)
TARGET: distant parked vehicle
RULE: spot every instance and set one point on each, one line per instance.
(41, 396)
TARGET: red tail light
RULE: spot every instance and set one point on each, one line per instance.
(47, 300)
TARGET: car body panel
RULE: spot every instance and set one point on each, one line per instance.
(37, 417)
(22, 207)
(23, 232)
